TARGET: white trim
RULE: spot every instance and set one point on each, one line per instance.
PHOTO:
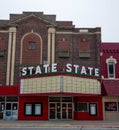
(113, 63)
(3, 31)
(13, 58)
(77, 33)
(9, 58)
(111, 59)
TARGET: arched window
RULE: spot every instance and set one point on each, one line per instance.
(111, 67)
(31, 49)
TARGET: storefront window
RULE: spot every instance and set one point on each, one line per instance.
(14, 106)
(28, 109)
(82, 107)
(110, 106)
(37, 109)
(8, 106)
(93, 109)
(33, 109)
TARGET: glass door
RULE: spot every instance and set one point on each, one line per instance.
(14, 111)
(11, 112)
(60, 109)
(8, 111)
(67, 111)
(64, 111)
(70, 110)
(52, 111)
(55, 110)
(2, 107)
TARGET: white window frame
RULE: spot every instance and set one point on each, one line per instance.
(111, 60)
(111, 63)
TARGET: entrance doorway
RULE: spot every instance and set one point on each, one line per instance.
(60, 108)
(8, 108)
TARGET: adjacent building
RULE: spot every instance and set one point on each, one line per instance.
(110, 80)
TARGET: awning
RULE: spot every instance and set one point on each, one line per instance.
(110, 87)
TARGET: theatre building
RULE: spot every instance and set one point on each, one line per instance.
(49, 69)
(110, 80)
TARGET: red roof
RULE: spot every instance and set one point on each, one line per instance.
(110, 87)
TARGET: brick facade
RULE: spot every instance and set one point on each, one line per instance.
(67, 37)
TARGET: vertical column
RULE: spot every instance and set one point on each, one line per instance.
(9, 57)
(51, 45)
(13, 56)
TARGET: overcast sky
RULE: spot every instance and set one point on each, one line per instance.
(83, 13)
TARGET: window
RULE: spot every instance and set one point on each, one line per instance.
(93, 109)
(84, 49)
(63, 53)
(37, 109)
(2, 53)
(81, 107)
(32, 46)
(63, 48)
(84, 54)
(110, 106)
(111, 69)
(111, 61)
(14, 106)
(33, 109)
(28, 109)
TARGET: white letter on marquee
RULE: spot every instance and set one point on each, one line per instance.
(46, 68)
(83, 70)
(30, 68)
(38, 70)
(90, 70)
(24, 72)
(96, 72)
(68, 68)
(76, 68)
(54, 67)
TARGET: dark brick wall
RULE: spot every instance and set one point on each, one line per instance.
(74, 42)
(3, 59)
(27, 26)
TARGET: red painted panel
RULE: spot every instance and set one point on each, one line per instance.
(86, 115)
(43, 100)
(8, 90)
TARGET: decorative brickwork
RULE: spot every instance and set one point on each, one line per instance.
(31, 56)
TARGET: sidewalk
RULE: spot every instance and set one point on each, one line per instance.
(56, 124)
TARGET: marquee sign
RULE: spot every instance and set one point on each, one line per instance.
(69, 68)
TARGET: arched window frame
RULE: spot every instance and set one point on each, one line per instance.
(111, 67)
